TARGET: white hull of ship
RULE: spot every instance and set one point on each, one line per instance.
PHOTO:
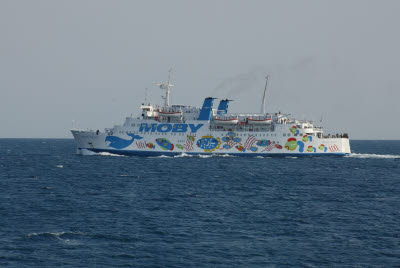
(225, 142)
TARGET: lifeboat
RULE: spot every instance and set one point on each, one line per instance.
(170, 114)
(259, 121)
(226, 121)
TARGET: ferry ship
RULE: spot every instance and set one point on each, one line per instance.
(182, 129)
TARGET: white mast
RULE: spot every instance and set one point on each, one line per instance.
(167, 88)
(263, 109)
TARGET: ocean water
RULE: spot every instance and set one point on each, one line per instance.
(59, 209)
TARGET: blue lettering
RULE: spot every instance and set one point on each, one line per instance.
(195, 128)
(180, 128)
(164, 127)
(146, 128)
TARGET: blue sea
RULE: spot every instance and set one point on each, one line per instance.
(59, 209)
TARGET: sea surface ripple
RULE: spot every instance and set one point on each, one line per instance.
(59, 209)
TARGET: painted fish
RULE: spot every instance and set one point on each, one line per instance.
(208, 143)
(263, 143)
(227, 146)
(165, 144)
(241, 148)
(253, 149)
(231, 134)
(237, 139)
(179, 146)
(150, 145)
(278, 146)
(225, 139)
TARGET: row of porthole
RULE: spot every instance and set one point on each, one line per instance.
(257, 135)
(153, 133)
(183, 134)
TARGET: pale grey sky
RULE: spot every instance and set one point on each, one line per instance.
(90, 61)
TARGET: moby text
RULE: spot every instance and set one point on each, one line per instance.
(144, 127)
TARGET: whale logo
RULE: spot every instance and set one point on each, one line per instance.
(119, 143)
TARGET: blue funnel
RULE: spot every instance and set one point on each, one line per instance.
(223, 107)
(206, 110)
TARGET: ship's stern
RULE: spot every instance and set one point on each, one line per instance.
(346, 146)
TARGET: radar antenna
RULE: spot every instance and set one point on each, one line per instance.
(167, 88)
(263, 104)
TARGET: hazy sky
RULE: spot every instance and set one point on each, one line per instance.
(90, 61)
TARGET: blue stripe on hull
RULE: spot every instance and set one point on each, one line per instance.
(150, 153)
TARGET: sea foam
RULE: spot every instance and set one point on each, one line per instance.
(88, 152)
(382, 156)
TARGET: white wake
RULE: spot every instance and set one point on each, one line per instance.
(88, 152)
(382, 156)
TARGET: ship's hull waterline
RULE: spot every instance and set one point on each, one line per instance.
(210, 143)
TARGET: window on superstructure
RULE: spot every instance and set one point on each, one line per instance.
(284, 134)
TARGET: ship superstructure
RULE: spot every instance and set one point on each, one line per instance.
(182, 129)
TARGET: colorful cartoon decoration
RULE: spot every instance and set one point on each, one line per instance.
(227, 146)
(241, 148)
(150, 145)
(334, 148)
(322, 147)
(254, 149)
(165, 144)
(278, 146)
(225, 139)
(231, 140)
(231, 134)
(208, 143)
(119, 143)
(306, 138)
(294, 130)
(292, 144)
(189, 143)
(191, 137)
(237, 139)
(311, 149)
(263, 143)
(180, 146)
(250, 141)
